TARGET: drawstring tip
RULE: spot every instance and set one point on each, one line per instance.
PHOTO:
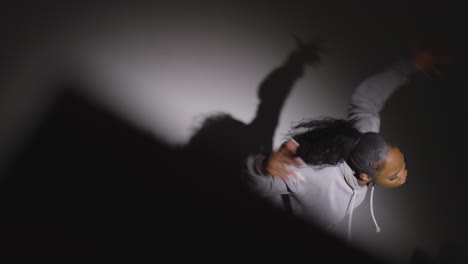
(377, 228)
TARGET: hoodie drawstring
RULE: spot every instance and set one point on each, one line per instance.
(377, 228)
(350, 220)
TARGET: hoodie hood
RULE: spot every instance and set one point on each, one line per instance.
(349, 177)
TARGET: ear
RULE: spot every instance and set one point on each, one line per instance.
(365, 177)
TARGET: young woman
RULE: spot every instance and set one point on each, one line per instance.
(326, 166)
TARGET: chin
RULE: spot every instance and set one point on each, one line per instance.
(402, 182)
(391, 186)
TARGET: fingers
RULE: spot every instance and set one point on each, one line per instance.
(282, 171)
(291, 146)
(277, 164)
(279, 169)
(423, 60)
(287, 153)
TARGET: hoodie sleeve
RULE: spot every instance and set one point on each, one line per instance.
(264, 185)
(371, 94)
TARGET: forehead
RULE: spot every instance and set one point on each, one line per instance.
(394, 161)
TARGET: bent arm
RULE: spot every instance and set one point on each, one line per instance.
(263, 184)
(371, 94)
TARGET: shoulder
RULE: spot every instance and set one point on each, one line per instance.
(319, 170)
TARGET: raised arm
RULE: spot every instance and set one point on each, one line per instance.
(371, 94)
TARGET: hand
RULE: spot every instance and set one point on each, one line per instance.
(427, 59)
(308, 52)
(276, 163)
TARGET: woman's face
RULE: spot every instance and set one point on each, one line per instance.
(393, 173)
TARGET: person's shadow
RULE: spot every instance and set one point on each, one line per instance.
(89, 186)
(211, 166)
(222, 142)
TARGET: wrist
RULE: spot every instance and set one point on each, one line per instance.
(260, 164)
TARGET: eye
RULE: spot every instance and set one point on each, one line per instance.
(394, 177)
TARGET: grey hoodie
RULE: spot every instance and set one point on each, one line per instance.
(324, 195)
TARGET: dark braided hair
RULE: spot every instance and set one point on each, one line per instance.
(328, 141)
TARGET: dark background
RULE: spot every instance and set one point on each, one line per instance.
(80, 184)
